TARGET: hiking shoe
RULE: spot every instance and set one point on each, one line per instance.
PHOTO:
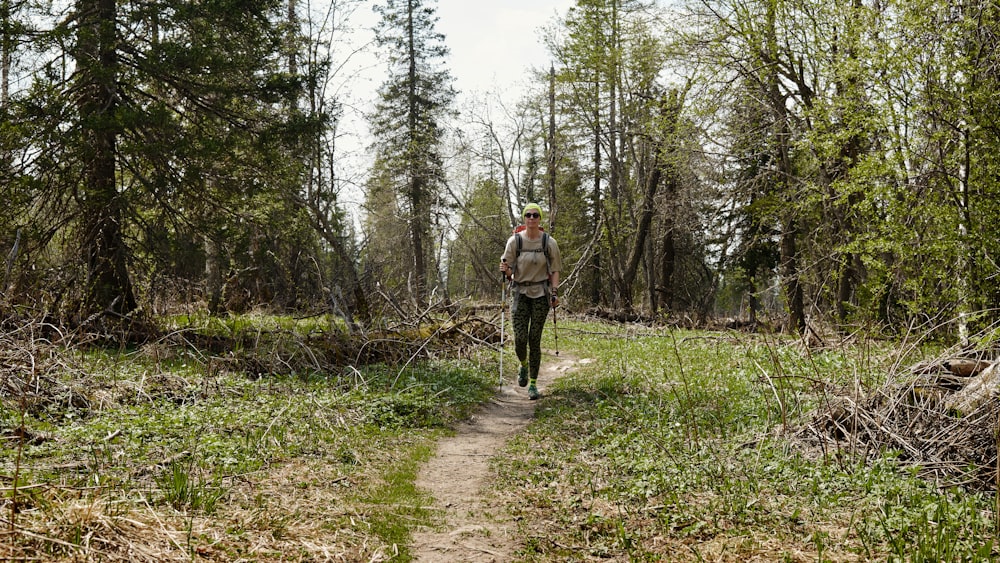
(522, 377)
(533, 392)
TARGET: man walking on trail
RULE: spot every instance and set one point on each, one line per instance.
(532, 262)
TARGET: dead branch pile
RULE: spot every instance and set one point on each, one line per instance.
(941, 417)
(279, 351)
(43, 378)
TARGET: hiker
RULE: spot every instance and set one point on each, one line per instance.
(532, 262)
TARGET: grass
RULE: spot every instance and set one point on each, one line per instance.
(681, 446)
(664, 445)
(168, 450)
(397, 505)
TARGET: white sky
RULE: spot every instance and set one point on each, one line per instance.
(495, 42)
(493, 45)
(492, 42)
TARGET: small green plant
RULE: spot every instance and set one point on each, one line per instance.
(184, 488)
(658, 440)
(248, 409)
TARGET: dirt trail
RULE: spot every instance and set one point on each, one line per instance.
(475, 531)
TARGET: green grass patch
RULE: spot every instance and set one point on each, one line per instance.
(396, 505)
(683, 445)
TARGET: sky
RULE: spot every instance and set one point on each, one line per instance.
(495, 42)
(493, 45)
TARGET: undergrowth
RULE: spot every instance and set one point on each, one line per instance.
(670, 445)
(164, 453)
(660, 445)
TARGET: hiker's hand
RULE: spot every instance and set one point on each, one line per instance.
(505, 268)
(554, 301)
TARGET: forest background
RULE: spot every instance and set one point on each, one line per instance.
(810, 161)
(167, 165)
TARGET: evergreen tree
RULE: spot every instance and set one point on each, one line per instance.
(407, 123)
(162, 123)
(481, 233)
(387, 240)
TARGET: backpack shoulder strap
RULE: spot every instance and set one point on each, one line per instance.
(517, 254)
(545, 249)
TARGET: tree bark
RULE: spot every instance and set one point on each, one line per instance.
(418, 205)
(668, 263)
(596, 284)
(794, 300)
(7, 43)
(109, 288)
(213, 275)
(551, 156)
(980, 389)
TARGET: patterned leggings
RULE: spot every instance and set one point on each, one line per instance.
(529, 319)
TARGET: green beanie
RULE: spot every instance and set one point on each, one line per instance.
(531, 206)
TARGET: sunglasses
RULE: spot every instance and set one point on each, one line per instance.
(533, 215)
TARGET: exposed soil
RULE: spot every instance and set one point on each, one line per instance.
(476, 531)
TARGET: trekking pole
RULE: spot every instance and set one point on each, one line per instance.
(555, 324)
(503, 308)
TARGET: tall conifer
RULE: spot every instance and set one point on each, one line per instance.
(407, 122)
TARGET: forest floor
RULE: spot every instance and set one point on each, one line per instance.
(476, 529)
(647, 444)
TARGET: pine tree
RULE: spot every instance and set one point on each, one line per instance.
(407, 122)
(161, 123)
(108, 284)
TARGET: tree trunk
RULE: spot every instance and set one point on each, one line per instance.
(109, 288)
(213, 276)
(619, 198)
(649, 267)
(418, 218)
(596, 283)
(753, 303)
(789, 252)
(965, 255)
(642, 231)
(293, 33)
(7, 43)
(795, 301)
(668, 261)
(669, 112)
(551, 156)
(979, 390)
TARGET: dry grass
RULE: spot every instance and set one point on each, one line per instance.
(292, 512)
(173, 453)
(911, 416)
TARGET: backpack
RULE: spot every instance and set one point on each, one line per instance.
(544, 249)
